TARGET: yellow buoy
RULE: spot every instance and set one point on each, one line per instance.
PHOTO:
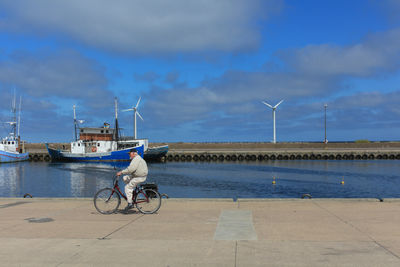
(273, 181)
(342, 182)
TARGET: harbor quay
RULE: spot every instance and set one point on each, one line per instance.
(202, 232)
(237, 152)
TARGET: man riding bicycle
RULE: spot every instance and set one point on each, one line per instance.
(135, 173)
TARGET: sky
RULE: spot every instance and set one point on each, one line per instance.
(202, 68)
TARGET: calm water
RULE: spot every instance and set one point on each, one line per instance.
(363, 179)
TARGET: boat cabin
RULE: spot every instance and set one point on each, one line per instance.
(102, 140)
(96, 134)
(94, 140)
(9, 145)
(97, 146)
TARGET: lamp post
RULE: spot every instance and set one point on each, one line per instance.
(325, 140)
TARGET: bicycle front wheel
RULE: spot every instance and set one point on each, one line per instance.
(106, 201)
(148, 201)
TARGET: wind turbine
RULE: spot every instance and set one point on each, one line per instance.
(273, 115)
(135, 112)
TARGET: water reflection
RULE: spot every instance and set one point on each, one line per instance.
(77, 181)
(293, 179)
(11, 178)
(86, 178)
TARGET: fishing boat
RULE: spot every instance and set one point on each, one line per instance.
(156, 153)
(11, 147)
(11, 150)
(97, 144)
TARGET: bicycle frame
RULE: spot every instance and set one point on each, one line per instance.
(136, 191)
(146, 199)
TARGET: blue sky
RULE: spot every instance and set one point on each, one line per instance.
(202, 68)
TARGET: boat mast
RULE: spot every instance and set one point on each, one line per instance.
(14, 111)
(116, 119)
(19, 114)
(76, 137)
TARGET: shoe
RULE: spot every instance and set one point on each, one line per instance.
(128, 207)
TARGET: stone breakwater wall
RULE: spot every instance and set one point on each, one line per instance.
(38, 151)
(279, 155)
(258, 151)
(283, 151)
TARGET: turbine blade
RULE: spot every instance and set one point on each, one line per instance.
(129, 109)
(139, 116)
(137, 104)
(278, 104)
(267, 104)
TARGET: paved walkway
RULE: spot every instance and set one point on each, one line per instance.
(211, 232)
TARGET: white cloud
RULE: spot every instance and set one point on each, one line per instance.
(50, 82)
(135, 26)
(314, 73)
(62, 74)
(378, 52)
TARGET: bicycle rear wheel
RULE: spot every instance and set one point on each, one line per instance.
(148, 201)
(106, 201)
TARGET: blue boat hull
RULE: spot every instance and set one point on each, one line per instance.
(118, 155)
(12, 157)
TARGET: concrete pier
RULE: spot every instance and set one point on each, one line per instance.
(202, 232)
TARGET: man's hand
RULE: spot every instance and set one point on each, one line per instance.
(119, 173)
(126, 179)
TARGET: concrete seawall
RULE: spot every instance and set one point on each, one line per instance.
(280, 155)
(259, 151)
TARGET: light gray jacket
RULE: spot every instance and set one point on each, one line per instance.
(137, 168)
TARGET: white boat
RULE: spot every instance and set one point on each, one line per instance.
(11, 148)
(98, 144)
(103, 144)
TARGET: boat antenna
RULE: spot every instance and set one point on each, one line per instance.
(74, 107)
(116, 119)
(14, 111)
(19, 114)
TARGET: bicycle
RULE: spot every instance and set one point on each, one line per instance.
(107, 200)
